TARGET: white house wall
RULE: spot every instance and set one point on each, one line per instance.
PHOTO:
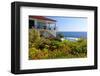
(52, 31)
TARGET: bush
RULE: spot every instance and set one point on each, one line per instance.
(34, 36)
(38, 54)
(82, 47)
(47, 48)
(78, 47)
(32, 53)
(60, 35)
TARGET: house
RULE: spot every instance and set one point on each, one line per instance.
(44, 24)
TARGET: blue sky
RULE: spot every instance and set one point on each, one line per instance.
(78, 24)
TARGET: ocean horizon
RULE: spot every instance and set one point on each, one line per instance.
(73, 34)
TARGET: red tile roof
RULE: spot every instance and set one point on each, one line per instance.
(42, 18)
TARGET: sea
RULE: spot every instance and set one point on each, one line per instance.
(73, 35)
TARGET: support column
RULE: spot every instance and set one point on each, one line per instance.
(49, 26)
(55, 26)
(46, 25)
(35, 23)
(55, 29)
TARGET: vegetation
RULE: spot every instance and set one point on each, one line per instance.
(60, 36)
(50, 48)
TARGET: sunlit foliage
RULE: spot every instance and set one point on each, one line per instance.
(50, 48)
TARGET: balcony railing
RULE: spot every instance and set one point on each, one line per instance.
(46, 28)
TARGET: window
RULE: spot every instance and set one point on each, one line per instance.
(31, 23)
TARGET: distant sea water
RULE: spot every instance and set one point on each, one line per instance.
(73, 35)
